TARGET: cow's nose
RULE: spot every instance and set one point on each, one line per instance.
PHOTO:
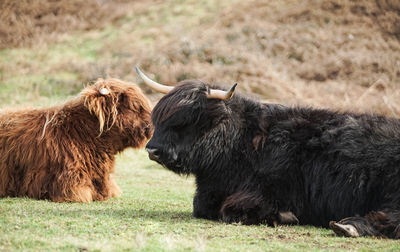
(153, 153)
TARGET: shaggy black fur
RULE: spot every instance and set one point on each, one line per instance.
(253, 161)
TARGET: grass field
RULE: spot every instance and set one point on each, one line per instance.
(153, 214)
(339, 54)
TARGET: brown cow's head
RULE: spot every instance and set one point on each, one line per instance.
(122, 111)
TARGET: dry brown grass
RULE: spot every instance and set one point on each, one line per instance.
(338, 54)
(24, 22)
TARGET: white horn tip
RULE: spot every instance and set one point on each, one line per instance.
(137, 70)
(233, 88)
(231, 91)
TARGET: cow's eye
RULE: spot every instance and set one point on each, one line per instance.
(178, 127)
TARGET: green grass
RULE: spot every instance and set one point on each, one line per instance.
(153, 213)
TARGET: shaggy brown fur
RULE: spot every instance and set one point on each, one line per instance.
(66, 153)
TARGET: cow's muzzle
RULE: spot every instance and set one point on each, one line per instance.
(154, 154)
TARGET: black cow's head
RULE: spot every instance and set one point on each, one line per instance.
(184, 115)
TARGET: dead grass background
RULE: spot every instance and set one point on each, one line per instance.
(26, 22)
(337, 54)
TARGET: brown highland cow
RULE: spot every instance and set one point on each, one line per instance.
(66, 153)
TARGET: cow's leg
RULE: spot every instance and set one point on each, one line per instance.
(206, 205)
(105, 186)
(385, 223)
(72, 193)
(250, 208)
(287, 218)
(72, 186)
(80, 193)
(244, 207)
(114, 188)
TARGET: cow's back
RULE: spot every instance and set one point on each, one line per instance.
(353, 169)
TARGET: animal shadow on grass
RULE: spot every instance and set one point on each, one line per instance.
(106, 211)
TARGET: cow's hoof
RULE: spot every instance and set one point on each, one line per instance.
(287, 218)
(343, 230)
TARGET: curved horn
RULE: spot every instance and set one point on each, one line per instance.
(223, 95)
(154, 85)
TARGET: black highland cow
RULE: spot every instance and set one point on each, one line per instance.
(267, 163)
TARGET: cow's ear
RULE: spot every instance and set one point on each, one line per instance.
(103, 105)
(104, 91)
